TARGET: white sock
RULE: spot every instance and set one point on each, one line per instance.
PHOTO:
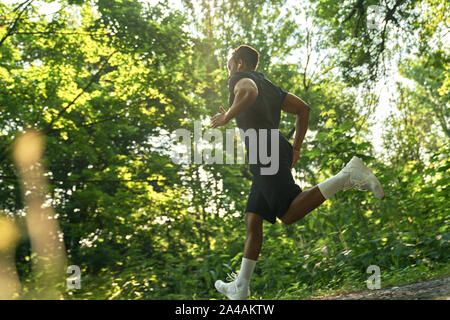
(247, 267)
(332, 185)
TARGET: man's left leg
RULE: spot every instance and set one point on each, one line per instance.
(354, 175)
(239, 288)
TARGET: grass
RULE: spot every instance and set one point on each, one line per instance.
(388, 279)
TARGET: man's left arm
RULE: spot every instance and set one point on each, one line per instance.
(245, 93)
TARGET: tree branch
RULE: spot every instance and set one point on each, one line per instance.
(93, 79)
(50, 32)
(11, 29)
(6, 150)
(87, 180)
(357, 7)
(308, 53)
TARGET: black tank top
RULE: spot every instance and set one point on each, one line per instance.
(265, 112)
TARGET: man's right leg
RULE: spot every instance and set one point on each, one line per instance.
(239, 287)
(354, 175)
(254, 237)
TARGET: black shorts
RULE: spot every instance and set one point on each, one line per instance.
(271, 195)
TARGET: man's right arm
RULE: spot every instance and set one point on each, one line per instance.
(293, 104)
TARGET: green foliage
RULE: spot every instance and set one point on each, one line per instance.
(107, 90)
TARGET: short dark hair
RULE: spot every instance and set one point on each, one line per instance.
(248, 54)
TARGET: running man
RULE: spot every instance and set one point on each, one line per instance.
(256, 103)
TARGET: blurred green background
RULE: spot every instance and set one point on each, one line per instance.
(107, 81)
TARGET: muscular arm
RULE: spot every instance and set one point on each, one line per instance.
(245, 93)
(294, 104)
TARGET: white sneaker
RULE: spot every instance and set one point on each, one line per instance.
(230, 289)
(362, 178)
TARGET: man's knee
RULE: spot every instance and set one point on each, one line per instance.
(286, 220)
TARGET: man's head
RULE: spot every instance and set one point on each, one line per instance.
(244, 58)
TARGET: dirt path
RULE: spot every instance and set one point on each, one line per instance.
(438, 289)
